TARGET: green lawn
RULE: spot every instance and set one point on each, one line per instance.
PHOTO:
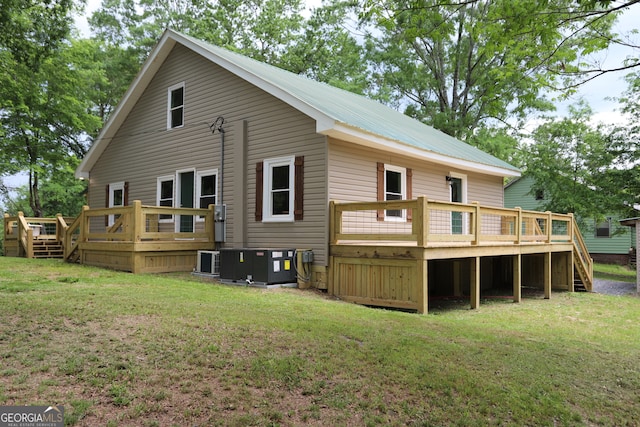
(614, 272)
(123, 349)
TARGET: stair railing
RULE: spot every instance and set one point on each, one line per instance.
(583, 259)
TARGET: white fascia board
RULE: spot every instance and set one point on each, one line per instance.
(126, 104)
(357, 136)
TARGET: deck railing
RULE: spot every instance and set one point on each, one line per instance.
(425, 223)
(135, 224)
(20, 232)
(139, 225)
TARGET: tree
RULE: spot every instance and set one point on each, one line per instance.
(46, 85)
(462, 65)
(60, 191)
(572, 162)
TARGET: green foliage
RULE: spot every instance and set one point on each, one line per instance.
(458, 66)
(574, 163)
(60, 192)
(46, 84)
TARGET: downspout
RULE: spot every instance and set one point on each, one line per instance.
(217, 126)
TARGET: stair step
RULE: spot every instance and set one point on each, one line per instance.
(47, 249)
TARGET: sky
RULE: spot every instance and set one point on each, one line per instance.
(599, 91)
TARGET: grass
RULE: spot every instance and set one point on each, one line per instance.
(614, 272)
(118, 349)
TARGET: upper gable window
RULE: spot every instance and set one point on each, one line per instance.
(175, 109)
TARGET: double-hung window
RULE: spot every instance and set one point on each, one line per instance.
(165, 195)
(175, 106)
(394, 189)
(278, 189)
(206, 189)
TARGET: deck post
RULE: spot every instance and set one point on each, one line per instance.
(475, 282)
(570, 273)
(518, 225)
(421, 221)
(209, 224)
(138, 221)
(547, 275)
(423, 293)
(335, 221)
(517, 278)
(477, 221)
(549, 229)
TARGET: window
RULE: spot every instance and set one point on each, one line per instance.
(207, 189)
(603, 229)
(394, 183)
(175, 110)
(165, 194)
(279, 190)
(116, 197)
(539, 194)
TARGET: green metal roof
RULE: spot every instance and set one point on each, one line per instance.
(357, 111)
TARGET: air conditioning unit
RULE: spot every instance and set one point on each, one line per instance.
(208, 263)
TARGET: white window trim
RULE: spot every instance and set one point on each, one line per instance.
(184, 92)
(463, 188)
(403, 189)
(112, 188)
(267, 201)
(608, 221)
(463, 183)
(159, 182)
(199, 175)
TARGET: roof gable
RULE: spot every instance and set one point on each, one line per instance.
(338, 113)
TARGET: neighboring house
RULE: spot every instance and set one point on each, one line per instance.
(202, 125)
(607, 241)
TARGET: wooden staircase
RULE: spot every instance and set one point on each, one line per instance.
(47, 249)
(582, 263)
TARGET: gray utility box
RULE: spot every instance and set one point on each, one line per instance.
(268, 266)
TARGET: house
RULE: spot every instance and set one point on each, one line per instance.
(607, 241)
(394, 211)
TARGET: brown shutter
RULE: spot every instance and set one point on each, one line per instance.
(298, 199)
(125, 196)
(106, 205)
(380, 196)
(259, 190)
(409, 193)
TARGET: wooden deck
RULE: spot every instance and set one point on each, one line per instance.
(393, 254)
(450, 249)
(136, 238)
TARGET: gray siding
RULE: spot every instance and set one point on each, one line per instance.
(144, 149)
(352, 176)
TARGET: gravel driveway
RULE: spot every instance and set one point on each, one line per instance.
(611, 287)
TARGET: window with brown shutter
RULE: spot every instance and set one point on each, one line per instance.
(280, 189)
(259, 190)
(393, 183)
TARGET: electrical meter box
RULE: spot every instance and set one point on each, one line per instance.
(260, 266)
